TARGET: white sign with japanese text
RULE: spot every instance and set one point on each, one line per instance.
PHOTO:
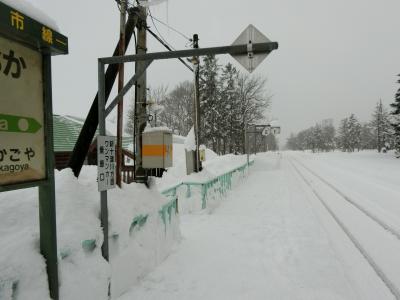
(22, 143)
(106, 162)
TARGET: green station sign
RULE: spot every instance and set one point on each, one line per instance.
(21, 27)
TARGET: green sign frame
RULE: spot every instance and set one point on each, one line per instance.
(18, 27)
(21, 28)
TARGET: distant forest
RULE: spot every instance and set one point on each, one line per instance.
(382, 132)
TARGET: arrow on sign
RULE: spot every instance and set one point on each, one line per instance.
(10, 123)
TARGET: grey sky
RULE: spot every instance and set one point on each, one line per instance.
(335, 57)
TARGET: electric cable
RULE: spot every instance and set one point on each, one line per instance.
(173, 29)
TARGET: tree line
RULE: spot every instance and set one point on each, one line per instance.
(382, 132)
(229, 99)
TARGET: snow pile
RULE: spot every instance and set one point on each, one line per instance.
(156, 129)
(30, 10)
(135, 247)
(213, 166)
(178, 139)
(143, 228)
(190, 141)
(21, 265)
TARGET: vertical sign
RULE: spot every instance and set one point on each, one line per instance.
(22, 150)
(106, 174)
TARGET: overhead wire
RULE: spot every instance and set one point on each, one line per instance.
(159, 37)
(168, 48)
(173, 29)
(159, 33)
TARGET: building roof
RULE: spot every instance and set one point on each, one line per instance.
(67, 130)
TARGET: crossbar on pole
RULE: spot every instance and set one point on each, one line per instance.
(126, 88)
(235, 49)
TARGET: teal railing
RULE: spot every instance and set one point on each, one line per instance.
(221, 184)
(166, 212)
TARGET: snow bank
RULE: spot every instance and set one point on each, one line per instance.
(143, 229)
(155, 129)
(21, 265)
(213, 166)
(190, 141)
(177, 139)
(30, 10)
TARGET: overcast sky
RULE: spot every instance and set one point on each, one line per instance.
(335, 57)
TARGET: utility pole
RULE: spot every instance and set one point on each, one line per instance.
(196, 104)
(89, 128)
(120, 114)
(140, 96)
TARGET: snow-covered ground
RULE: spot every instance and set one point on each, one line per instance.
(143, 229)
(303, 226)
(300, 226)
(84, 274)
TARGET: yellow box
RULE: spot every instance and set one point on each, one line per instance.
(157, 149)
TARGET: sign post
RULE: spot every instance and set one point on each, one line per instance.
(106, 163)
(26, 119)
(106, 177)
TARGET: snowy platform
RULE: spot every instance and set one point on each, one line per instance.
(272, 238)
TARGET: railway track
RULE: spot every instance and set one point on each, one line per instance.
(353, 202)
(340, 222)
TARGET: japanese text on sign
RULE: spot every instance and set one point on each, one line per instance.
(106, 162)
(17, 20)
(12, 65)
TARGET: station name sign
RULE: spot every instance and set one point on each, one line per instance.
(21, 27)
(22, 137)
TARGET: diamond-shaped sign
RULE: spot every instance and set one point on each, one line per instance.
(251, 35)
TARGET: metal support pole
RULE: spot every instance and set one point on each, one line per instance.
(47, 194)
(246, 137)
(255, 140)
(102, 131)
(140, 96)
(120, 114)
(126, 88)
(265, 143)
(196, 104)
